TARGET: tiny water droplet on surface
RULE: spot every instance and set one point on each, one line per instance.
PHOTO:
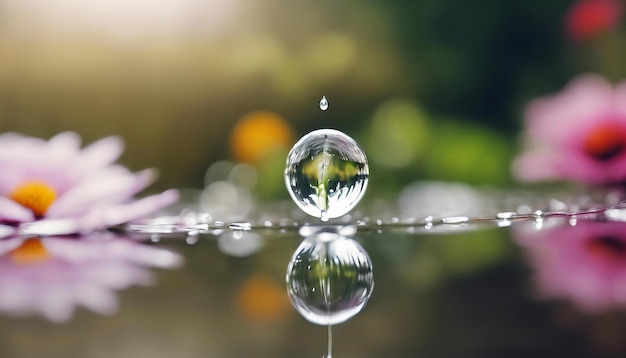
(323, 103)
(240, 243)
(326, 173)
(455, 220)
(329, 281)
(240, 226)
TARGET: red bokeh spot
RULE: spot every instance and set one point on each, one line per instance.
(589, 18)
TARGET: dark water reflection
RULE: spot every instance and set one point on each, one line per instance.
(492, 292)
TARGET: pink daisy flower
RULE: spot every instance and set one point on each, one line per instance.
(54, 187)
(51, 276)
(578, 134)
(584, 264)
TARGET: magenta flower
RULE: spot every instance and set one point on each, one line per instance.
(584, 264)
(54, 187)
(52, 276)
(578, 134)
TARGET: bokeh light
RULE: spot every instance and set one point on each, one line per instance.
(259, 133)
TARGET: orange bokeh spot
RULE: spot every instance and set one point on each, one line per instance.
(260, 298)
(35, 195)
(259, 133)
(30, 252)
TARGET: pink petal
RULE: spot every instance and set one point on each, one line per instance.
(104, 190)
(535, 165)
(9, 180)
(12, 211)
(120, 214)
(585, 98)
(9, 244)
(101, 153)
(6, 231)
(96, 298)
(49, 227)
(63, 146)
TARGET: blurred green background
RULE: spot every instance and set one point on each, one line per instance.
(432, 89)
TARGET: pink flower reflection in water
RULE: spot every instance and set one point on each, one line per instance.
(51, 276)
(585, 264)
(578, 134)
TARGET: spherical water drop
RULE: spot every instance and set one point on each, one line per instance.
(329, 281)
(323, 103)
(326, 173)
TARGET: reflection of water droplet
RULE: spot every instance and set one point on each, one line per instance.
(240, 243)
(326, 173)
(505, 215)
(504, 223)
(329, 281)
(191, 239)
(323, 103)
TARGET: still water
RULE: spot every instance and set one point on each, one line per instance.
(487, 291)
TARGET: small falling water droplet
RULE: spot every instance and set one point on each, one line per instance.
(323, 103)
(326, 174)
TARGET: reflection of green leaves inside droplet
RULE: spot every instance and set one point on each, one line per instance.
(339, 279)
(329, 278)
(326, 172)
(337, 169)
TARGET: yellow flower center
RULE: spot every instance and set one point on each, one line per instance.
(35, 195)
(30, 252)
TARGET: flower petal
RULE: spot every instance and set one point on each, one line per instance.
(111, 189)
(101, 153)
(12, 211)
(6, 231)
(97, 298)
(551, 118)
(49, 227)
(10, 244)
(63, 145)
(120, 214)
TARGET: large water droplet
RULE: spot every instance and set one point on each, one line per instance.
(326, 173)
(329, 279)
(323, 103)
